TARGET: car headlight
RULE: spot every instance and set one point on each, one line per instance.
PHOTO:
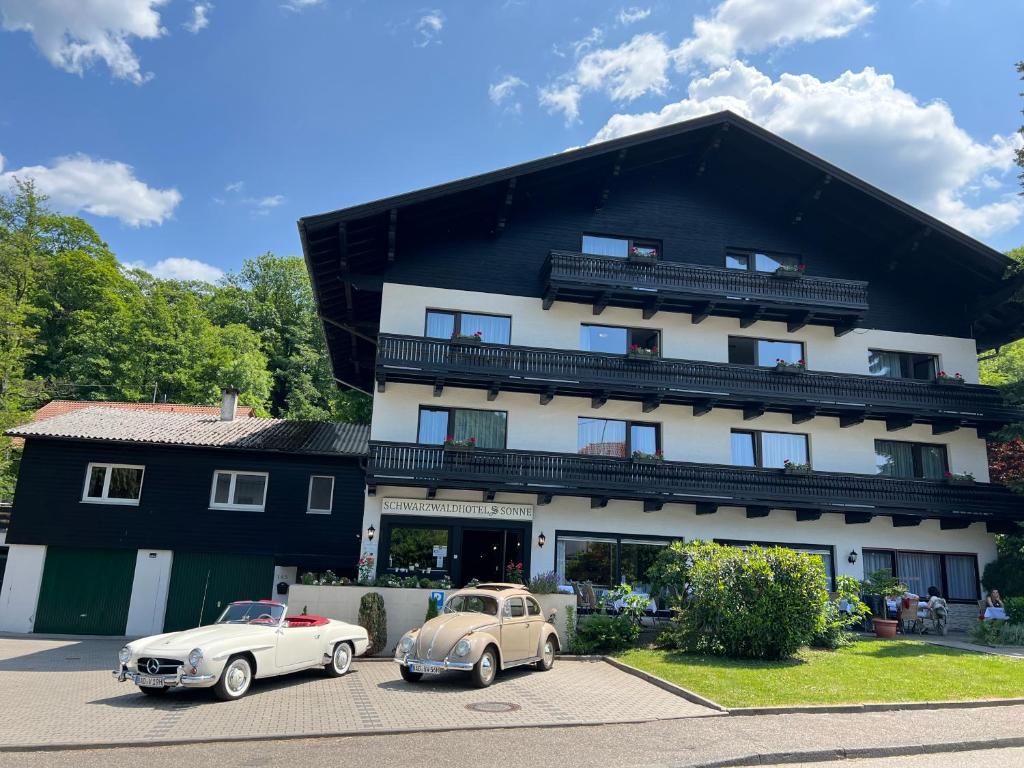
(462, 647)
(195, 656)
(124, 655)
(408, 642)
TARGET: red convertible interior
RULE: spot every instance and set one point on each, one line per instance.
(304, 621)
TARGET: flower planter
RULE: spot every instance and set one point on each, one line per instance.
(648, 461)
(959, 481)
(787, 274)
(460, 448)
(649, 259)
(637, 355)
(467, 341)
(949, 381)
(796, 471)
(884, 628)
(789, 368)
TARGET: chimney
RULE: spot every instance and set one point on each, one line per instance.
(228, 404)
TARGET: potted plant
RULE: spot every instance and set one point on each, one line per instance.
(636, 351)
(643, 254)
(514, 572)
(790, 271)
(959, 478)
(451, 444)
(648, 458)
(472, 338)
(944, 378)
(783, 366)
(882, 585)
(795, 467)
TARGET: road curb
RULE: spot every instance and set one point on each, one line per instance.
(665, 685)
(858, 753)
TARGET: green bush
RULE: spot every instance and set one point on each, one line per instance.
(374, 619)
(998, 633)
(835, 627)
(601, 633)
(1006, 572)
(1014, 609)
(431, 609)
(762, 603)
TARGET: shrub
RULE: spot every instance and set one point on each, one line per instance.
(998, 633)
(601, 633)
(762, 603)
(431, 609)
(544, 583)
(835, 628)
(570, 626)
(1014, 609)
(374, 619)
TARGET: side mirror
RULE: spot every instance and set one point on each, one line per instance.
(552, 615)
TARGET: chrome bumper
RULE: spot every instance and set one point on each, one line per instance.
(444, 666)
(170, 681)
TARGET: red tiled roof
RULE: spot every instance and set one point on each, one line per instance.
(60, 407)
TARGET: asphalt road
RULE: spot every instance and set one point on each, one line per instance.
(1005, 758)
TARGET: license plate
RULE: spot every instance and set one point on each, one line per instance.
(149, 682)
(423, 669)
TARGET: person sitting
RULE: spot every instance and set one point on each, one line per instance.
(937, 608)
(994, 599)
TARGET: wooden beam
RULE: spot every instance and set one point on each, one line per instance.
(946, 524)
(701, 312)
(489, 495)
(653, 505)
(751, 316)
(945, 427)
(843, 329)
(706, 507)
(808, 515)
(809, 198)
(601, 303)
(392, 233)
(804, 414)
(651, 308)
(598, 502)
(382, 383)
(905, 521)
(349, 329)
(754, 411)
(492, 392)
(547, 397)
(757, 511)
(506, 206)
(851, 420)
(858, 518)
(652, 403)
(1002, 526)
(797, 321)
(702, 407)
(371, 490)
(549, 298)
(896, 423)
(432, 492)
(598, 400)
(610, 179)
(543, 499)
(343, 246)
(438, 387)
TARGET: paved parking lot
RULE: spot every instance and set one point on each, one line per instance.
(62, 692)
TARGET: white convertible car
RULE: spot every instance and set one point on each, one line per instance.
(251, 639)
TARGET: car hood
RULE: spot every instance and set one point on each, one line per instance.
(435, 639)
(208, 638)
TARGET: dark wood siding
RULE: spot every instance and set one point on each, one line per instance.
(174, 510)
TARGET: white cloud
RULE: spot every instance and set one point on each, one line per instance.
(270, 201)
(200, 18)
(563, 98)
(632, 15)
(747, 26)
(234, 186)
(74, 34)
(503, 92)
(101, 187)
(863, 123)
(297, 6)
(429, 28)
(181, 269)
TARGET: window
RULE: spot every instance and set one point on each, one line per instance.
(610, 437)
(924, 461)
(605, 560)
(618, 247)
(825, 553)
(438, 424)
(618, 341)
(955, 576)
(514, 608)
(768, 449)
(239, 490)
(757, 261)
(747, 351)
(418, 549)
(532, 607)
(443, 324)
(113, 483)
(902, 365)
(321, 495)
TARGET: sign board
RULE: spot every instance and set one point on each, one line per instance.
(440, 553)
(480, 510)
(438, 599)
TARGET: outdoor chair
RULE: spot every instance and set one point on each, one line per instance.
(583, 606)
(937, 618)
(908, 616)
(589, 596)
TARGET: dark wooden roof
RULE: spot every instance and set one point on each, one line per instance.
(348, 250)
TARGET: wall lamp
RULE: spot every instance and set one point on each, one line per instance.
(371, 532)
(853, 556)
(541, 540)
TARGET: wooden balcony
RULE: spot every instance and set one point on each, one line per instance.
(704, 291)
(707, 486)
(703, 385)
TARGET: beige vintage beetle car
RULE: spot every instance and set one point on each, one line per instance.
(483, 629)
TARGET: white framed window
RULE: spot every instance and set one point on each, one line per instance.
(321, 495)
(113, 484)
(239, 490)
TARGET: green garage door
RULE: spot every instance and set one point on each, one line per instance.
(85, 591)
(202, 584)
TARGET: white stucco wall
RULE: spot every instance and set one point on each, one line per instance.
(149, 592)
(20, 592)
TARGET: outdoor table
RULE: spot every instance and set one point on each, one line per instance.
(651, 605)
(565, 589)
(993, 614)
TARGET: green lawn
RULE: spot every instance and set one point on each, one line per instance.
(868, 671)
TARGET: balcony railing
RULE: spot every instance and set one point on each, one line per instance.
(704, 385)
(702, 291)
(708, 486)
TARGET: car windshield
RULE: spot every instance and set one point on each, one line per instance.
(472, 604)
(252, 613)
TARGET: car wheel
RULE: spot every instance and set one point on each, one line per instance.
(484, 671)
(547, 655)
(341, 661)
(150, 691)
(235, 680)
(409, 676)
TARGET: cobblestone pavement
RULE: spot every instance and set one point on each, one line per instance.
(62, 692)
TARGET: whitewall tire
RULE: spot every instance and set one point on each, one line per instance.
(235, 680)
(341, 660)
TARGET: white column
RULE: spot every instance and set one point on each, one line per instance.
(289, 574)
(149, 592)
(20, 592)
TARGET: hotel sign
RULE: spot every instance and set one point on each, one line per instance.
(479, 510)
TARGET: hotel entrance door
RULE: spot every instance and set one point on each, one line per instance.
(486, 552)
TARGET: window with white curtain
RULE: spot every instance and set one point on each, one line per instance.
(613, 437)
(925, 461)
(444, 324)
(902, 365)
(768, 449)
(919, 570)
(438, 424)
(954, 575)
(759, 261)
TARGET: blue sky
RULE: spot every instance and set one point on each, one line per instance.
(193, 135)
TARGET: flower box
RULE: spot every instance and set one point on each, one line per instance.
(648, 461)
(788, 274)
(796, 470)
(459, 448)
(642, 354)
(793, 368)
(639, 457)
(949, 381)
(466, 340)
(643, 258)
(959, 480)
